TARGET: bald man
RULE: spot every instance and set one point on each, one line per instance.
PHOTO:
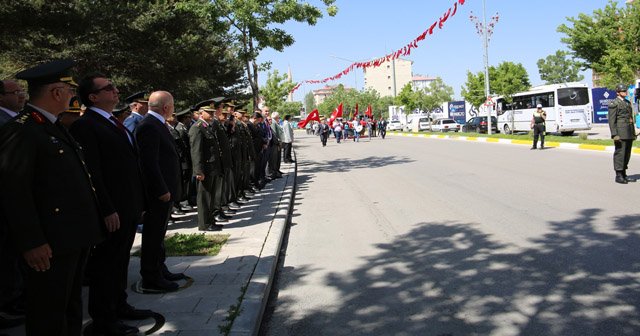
(161, 168)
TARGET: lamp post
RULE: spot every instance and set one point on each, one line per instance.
(485, 32)
(355, 76)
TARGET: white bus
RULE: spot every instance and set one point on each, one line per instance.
(569, 108)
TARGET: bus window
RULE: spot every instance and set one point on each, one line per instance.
(573, 96)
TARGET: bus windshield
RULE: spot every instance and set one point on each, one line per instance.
(573, 96)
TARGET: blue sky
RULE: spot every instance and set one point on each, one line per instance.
(364, 30)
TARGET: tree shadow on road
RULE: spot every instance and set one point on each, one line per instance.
(448, 278)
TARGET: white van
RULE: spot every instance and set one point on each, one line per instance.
(418, 124)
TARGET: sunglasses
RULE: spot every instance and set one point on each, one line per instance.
(108, 88)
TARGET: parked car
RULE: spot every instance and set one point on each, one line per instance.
(394, 125)
(417, 125)
(445, 125)
(479, 124)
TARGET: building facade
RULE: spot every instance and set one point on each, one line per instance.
(385, 80)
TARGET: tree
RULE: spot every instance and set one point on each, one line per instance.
(276, 89)
(309, 102)
(473, 91)
(607, 42)
(255, 24)
(508, 78)
(179, 46)
(432, 97)
(290, 108)
(557, 68)
(407, 98)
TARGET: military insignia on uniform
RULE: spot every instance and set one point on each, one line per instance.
(54, 140)
(37, 117)
(22, 119)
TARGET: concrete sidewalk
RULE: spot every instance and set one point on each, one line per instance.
(240, 276)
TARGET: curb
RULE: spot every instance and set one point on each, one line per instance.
(256, 296)
(566, 145)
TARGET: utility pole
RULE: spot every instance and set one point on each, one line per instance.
(485, 33)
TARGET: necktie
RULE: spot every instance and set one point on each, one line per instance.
(119, 125)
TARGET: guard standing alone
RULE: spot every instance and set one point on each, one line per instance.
(622, 133)
(537, 124)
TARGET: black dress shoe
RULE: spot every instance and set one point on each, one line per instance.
(620, 179)
(173, 276)
(160, 285)
(128, 312)
(178, 212)
(220, 219)
(234, 206)
(116, 328)
(211, 228)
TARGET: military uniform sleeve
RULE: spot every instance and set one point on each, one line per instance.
(613, 116)
(195, 140)
(18, 155)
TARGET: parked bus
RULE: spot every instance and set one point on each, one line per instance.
(569, 108)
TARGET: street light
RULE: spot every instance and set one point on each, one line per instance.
(355, 76)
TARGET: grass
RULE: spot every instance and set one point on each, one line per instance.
(528, 136)
(195, 244)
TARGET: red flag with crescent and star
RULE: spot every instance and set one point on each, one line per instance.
(314, 115)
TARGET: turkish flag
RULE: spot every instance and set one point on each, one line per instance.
(369, 112)
(314, 115)
(356, 108)
(337, 113)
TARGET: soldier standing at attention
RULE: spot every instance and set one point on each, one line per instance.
(622, 133)
(537, 125)
(48, 202)
(207, 168)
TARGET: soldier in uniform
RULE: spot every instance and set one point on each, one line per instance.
(48, 201)
(622, 133)
(184, 119)
(71, 114)
(256, 143)
(242, 132)
(121, 112)
(139, 104)
(537, 124)
(224, 203)
(207, 168)
(184, 155)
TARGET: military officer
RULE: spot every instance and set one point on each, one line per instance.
(71, 114)
(537, 124)
(622, 133)
(139, 104)
(121, 112)
(224, 205)
(48, 201)
(184, 122)
(207, 168)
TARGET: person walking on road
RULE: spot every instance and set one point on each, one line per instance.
(324, 132)
(337, 130)
(622, 133)
(538, 127)
(382, 126)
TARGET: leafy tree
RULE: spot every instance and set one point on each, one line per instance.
(255, 27)
(473, 90)
(432, 97)
(508, 78)
(309, 102)
(179, 46)
(407, 97)
(607, 41)
(276, 89)
(291, 108)
(557, 68)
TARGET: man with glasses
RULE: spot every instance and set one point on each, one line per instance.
(12, 99)
(47, 199)
(110, 150)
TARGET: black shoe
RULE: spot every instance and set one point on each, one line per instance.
(211, 228)
(229, 212)
(116, 328)
(173, 276)
(178, 212)
(128, 312)
(226, 214)
(220, 219)
(629, 179)
(620, 178)
(234, 206)
(534, 148)
(160, 285)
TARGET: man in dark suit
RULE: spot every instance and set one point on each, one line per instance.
(161, 168)
(110, 151)
(48, 202)
(12, 99)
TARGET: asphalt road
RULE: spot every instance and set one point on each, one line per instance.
(414, 236)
